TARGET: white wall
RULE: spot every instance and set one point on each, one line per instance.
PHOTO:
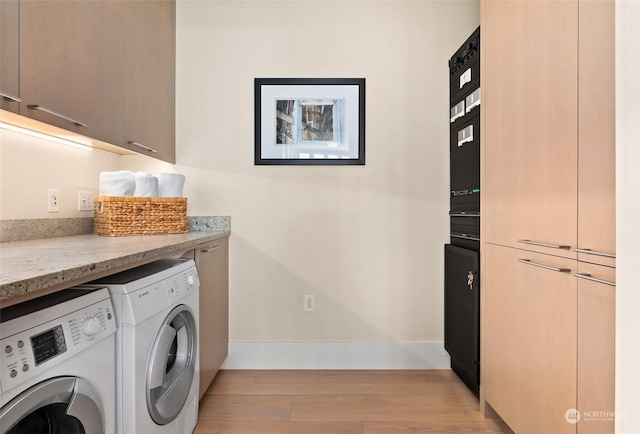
(628, 216)
(367, 241)
(29, 166)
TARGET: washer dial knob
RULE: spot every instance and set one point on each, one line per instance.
(91, 326)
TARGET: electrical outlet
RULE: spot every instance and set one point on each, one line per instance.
(53, 200)
(309, 303)
(85, 202)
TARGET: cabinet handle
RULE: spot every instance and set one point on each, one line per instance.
(546, 267)
(537, 243)
(588, 276)
(465, 214)
(10, 97)
(211, 249)
(594, 252)
(55, 113)
(146, 148)
(464, 236)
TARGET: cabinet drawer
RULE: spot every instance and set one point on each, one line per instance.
(465, 225)
(467, 200)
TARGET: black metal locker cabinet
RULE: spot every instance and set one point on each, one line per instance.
(462, 313)
(462, 257)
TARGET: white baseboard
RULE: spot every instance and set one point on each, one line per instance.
(360, 355)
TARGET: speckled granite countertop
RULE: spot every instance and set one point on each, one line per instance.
(30, 268)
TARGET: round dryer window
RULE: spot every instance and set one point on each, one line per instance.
(60, 405)
(171, 365)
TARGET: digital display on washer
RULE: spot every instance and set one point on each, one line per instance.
(48, 344)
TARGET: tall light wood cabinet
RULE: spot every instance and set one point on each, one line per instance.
(530, 124)
(596, 133)
(71, 65)
(10, 55)
(212, 261)
(548, 196)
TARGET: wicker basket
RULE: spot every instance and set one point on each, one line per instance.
(117, 216)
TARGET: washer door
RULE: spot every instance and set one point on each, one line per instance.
(64, 405)
(172, 365)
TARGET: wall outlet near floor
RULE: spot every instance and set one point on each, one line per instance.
(85, 201)
(53, 200)
(309, 303)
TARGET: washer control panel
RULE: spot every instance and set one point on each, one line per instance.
(34, 342)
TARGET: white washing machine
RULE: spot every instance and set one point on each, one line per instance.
(57, 365)
(157, 368)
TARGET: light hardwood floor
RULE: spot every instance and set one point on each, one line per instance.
(341, 402)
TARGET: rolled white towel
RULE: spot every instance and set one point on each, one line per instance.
(146, 185)
(119, 183)
(170, 184)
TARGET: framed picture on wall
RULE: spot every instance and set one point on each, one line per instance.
(309, 121)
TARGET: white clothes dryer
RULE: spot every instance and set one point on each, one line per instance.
(157, 368)
(57, 367)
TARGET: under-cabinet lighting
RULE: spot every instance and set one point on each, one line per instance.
(44, 136)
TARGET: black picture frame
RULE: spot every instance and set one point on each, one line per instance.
(309, 121)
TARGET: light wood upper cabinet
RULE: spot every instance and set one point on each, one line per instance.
(10, 55)
(101, 68)
(71, 65)
(530, 109)
(530, 339)
(149, 96)
(212, 260)
(596, 131)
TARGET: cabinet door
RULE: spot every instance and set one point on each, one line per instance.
(212, 260)
(71, 64)
(596, 348)
(529, 108)
(10, 55)
(462, 313)
(596, 132)
(530, 339)
(150, 78)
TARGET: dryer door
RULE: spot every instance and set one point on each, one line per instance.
(66, 405)
(172, 364)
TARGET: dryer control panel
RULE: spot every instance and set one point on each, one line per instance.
(141, 293)
(182, 284)
(40, 333)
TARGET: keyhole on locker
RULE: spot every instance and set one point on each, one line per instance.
(470, 279)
